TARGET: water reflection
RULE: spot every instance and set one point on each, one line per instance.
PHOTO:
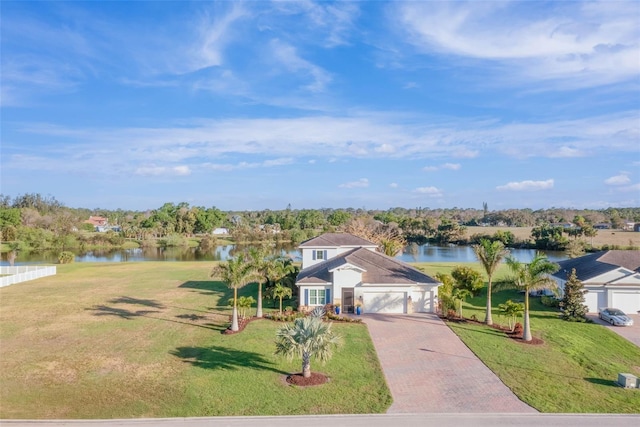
(411, 253)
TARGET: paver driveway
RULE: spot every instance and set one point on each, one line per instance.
(429, 369)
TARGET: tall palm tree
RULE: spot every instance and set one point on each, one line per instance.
(490, 254)
(236, 273)
(307, 337)
(260, 264)
(530, 277)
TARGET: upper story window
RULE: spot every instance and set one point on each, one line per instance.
(320, 254)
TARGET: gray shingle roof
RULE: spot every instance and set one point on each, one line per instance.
(333, 240)
(593, 265)
(379, 269)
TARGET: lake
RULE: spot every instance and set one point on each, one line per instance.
(412, 253)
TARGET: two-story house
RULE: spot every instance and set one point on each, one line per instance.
(339, 268)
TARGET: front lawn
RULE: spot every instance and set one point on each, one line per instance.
(575, 370)
(144, 340)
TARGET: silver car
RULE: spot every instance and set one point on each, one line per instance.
(615, 317)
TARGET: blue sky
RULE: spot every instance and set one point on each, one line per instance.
(257, 105)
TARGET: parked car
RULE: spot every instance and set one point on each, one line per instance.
(615, 317)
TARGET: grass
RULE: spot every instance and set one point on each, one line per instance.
(144, 340)
(575, 370)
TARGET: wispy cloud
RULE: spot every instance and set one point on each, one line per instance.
(583, 44)
(449, 166)
(429, 191)
(527, 186)
(288, 57)
(361, 183)
(621, 179)
(153, 170)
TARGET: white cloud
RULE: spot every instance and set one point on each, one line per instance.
(621, 179)
(581, 43)
(154, 170)
(393, 185)
(430, 191)
(450, 166)
(182, 170)
(527, 185)
(361, 183)
(288, 57)
(385, 148)
(567, 152)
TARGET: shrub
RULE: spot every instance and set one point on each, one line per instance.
(550, 301)
(66, 257)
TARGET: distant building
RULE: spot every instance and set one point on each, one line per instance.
(220, 230)
(602, 226)
(97, 221)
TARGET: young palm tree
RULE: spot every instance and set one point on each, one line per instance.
(490, 254)
(236, 273)
(307, 337)
(279, 291)
(530, 277)
(277, 271)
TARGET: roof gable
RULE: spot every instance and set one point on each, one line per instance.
(334, 240)
(377, 269)
(599, 263)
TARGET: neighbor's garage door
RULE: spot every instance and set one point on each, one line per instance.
(629, 302)
(384, 302)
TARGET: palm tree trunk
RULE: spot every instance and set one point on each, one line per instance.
(526, 334)
(259, 310)
(234, 315)
(280, 305)
(306, 364)
(488, 319)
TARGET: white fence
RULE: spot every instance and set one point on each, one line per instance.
(11, 275)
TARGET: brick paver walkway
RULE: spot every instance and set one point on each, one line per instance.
(429, 369)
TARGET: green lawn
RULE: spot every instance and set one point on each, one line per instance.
(575, 370)
(144, 340)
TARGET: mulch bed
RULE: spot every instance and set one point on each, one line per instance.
(242, 323)
(316, 378)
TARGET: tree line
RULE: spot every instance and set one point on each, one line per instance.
(40, 222)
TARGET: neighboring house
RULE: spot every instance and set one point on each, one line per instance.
(602, 226)
(611, 277)
(220, 230)
(96, 221)
(339, 268)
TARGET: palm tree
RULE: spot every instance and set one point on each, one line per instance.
(257, 259)
(236, 273)
(530, 277)
(278, 270)
(307, 337)
(460, 294)
(279, 291)
(490, 254)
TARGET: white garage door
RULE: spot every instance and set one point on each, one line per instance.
(629, 302)
(384, 302)
(595, 300)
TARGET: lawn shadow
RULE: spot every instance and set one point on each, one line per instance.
(206, 287)
(224, 358)
(601, 381)
(104, 310)
(137, 301)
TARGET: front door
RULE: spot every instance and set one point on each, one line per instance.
(347, 300)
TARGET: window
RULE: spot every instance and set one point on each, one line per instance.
(316, 296)
(319, 254)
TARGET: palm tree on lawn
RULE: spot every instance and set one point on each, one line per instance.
(306, 337)
(279, 291)
(260, 264)
(236, 273)
(530, 277)
(490, 254)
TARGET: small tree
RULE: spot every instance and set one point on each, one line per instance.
(306, 337)
(445, 293)
(511, 310)
(280, 292)
(572, 303)
(459, 295)
(244, 304)
(236, 273)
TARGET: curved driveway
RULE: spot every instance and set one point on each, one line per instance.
(430, 370)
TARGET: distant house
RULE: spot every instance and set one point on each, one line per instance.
(345, 269)
(612, 279)
(602, 226)
(97, 221)
(220, 230)
(562, 224)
